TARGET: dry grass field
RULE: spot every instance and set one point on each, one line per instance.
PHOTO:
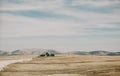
(15, 57)
(66, 65)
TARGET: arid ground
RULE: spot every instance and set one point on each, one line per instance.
(65, 65)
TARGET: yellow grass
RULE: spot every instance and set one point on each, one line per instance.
(66, 65)
(15, 57)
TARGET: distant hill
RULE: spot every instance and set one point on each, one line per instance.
(3, 53)
(99, 52)
(17, 52)
(35, 51)
(114, 53)
(79, 52)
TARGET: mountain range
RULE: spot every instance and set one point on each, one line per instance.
(35, 51)
(98, 52)
(28, 52)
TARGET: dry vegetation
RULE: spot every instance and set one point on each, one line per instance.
(15, 57)
(66, 65)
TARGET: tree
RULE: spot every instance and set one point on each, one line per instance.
(52, 55)
(47, 54)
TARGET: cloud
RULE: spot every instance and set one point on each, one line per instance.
(97, 3)
(63, 23)
(31, 5)
(23, 26)
(53, 18)
(90, 16)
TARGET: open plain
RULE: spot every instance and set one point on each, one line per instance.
(65, 65)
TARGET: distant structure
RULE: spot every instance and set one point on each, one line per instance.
(47, 54)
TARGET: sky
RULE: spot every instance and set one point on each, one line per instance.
(63, 25)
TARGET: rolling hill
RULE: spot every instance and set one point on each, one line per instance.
(35, 51)
(98, 52)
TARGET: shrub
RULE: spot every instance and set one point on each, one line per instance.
(42, 55)
(52, 55)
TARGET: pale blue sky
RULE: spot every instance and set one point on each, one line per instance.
(65, 25)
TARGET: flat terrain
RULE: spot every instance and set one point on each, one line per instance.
(66, 65)
(7, 60)
(14, 57)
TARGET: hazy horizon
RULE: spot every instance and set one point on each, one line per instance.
(62, 51)
(65, 25)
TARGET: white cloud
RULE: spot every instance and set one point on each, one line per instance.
(20, 26)
(52, 4)
(93, 3)
(57, 6)
(79, 24)
(32, 5)
(23, 26)
(90, 16)
(16, 26)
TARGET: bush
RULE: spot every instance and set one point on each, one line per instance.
(42, 55)
(47, 54)
(52, 55)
